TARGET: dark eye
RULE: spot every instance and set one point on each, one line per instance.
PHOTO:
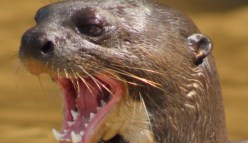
(91, 30)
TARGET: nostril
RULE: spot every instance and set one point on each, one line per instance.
(47, 48)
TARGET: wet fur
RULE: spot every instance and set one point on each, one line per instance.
(146, 47)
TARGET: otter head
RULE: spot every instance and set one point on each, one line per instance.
(131, 72)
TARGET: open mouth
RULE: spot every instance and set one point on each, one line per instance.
(87, 104)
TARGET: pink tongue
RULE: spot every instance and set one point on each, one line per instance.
(86, 102)
(87, 99)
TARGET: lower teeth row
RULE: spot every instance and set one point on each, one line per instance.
(75, 138)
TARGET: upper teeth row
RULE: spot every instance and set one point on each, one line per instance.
(75, 114)
(75, 117)
(85, 119)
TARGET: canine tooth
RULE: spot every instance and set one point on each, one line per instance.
(75, 138)
(70, 123)
(74, 115)
(57, 135)
(103, 103)
(92, 115)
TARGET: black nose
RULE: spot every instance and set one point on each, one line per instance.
(36, 44)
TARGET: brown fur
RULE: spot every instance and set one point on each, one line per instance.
(146, 45)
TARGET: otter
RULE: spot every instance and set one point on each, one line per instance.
(132, 71)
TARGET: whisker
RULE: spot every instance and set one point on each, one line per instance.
(106, 88)
(52, 67)
(77, 82)
(58, 73)
(139, 68)
(134, 111)
(114, 76)
(18, 68)
(86, 84)
(147, 114)
(96, 81)
(22, 71)
(118, 78)
(152, 83)
(66, 74)
(42, 87)
(75, 85)
(9, 59)
(154, 103)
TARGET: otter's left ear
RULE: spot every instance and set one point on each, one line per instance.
(201, 45)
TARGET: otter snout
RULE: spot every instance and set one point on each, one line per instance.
(38, 49)
(36, 44)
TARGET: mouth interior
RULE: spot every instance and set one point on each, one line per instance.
(86, 102)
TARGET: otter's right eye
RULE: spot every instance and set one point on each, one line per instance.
(91, 30)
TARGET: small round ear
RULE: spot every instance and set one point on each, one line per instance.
(201, 45)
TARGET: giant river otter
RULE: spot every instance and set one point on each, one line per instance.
(132, 71)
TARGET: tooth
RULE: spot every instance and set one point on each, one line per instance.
(82, 133)
(75, 138)
(86, 125)
(79, 138)
(70, 123)
(98, 109)
(57, 135)
(74, 115)
(92, 115)
(103, 103)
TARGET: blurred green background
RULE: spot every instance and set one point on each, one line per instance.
(30, 106)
